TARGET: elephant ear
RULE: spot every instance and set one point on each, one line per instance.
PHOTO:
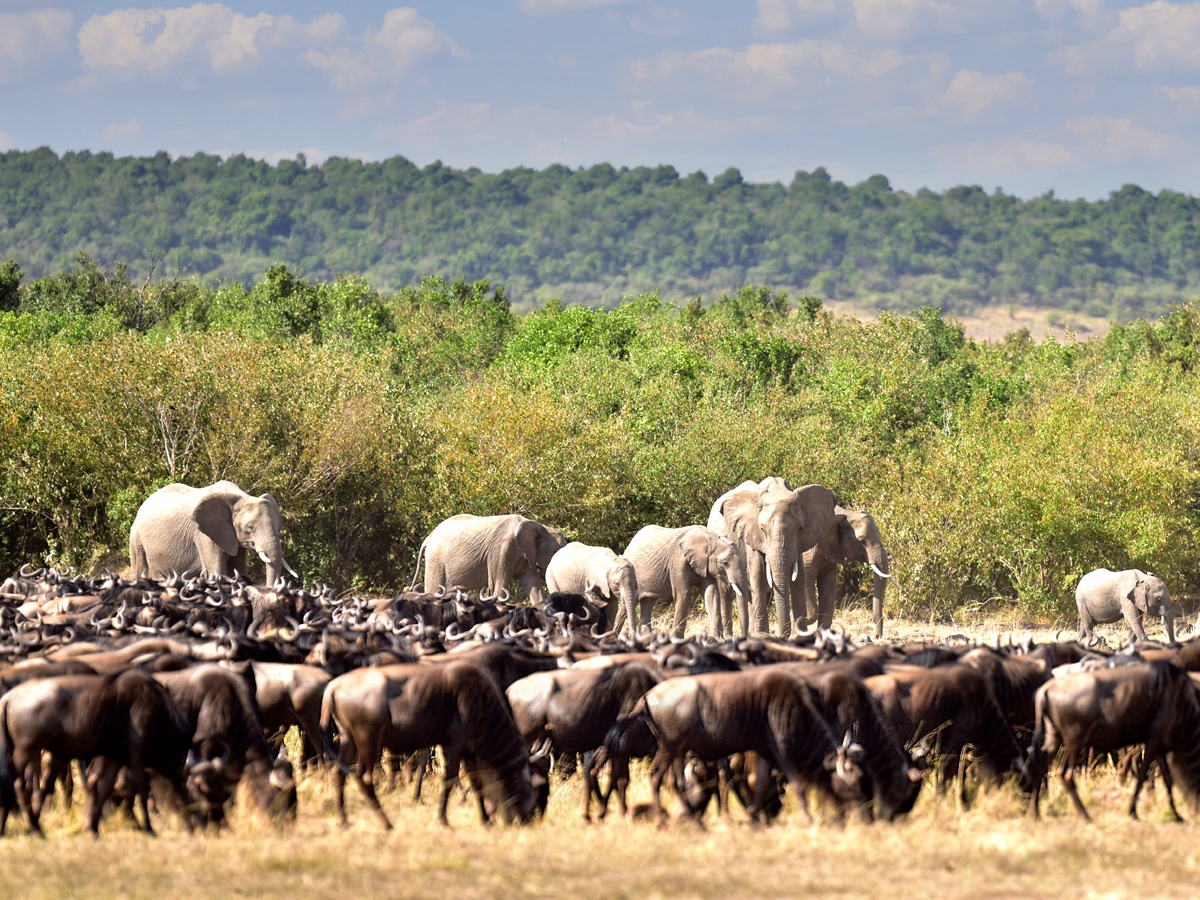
(696, 547)
(740, 510)
(1140, 593)
(213, 515)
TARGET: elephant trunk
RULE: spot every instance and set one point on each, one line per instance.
(271, 554)
(782, 563)
(878, 558)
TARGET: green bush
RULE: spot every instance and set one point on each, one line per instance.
(999, 473)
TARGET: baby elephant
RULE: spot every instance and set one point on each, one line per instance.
(1104, 596)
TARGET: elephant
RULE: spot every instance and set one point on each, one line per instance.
(670, 562)
(208, 530)
(485, 553)
(581, 569)
(1105, 596)
(852, 536)
(773, 525)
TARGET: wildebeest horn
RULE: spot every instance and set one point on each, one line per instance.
(878, 571)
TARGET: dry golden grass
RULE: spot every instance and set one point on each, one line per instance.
(990, 850)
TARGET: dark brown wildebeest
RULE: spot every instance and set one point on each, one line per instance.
(890, 778)
(769, 711)
(218, 704)
(576, 708)
(126, 719)
(290, 695)
(1108, 709)
(1013, 680)
(954, 704)
(406, 708)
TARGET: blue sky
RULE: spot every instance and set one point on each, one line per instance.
(1079, 96)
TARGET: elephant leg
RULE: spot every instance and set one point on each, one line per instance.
(811, 606)
(826, 595)
(1135, 624)
(683, 606)
(756, 571)
(712, 605)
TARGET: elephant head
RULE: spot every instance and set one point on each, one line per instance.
(1149, 594)
(233, 521)
(547, 541)
(780, 523)
(711, 555)
(854, 536)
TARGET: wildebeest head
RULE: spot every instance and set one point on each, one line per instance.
(269, 786)
(845, 766)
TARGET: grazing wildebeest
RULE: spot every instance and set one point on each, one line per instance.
(953, 703)
(218, 704)
(1104, 710)
(1013, 680)
(576, 708)
(768, 711)
(890, 778)
(405, 708)
(126, 719)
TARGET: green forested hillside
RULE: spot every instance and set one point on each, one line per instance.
(598, 234)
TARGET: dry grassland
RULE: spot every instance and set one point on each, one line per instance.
(991, 850)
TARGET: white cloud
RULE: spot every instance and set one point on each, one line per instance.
(659, 22)
(155, 39)
(888, 20)
(403, 41)
(1188, 98)
(1091, 13)
(971, 93)
(545, 7)
(24, 37)
(762, 69)
(1120, 138)
(450, 117)
(1159, 35)
(119, 130)
(1008, 155)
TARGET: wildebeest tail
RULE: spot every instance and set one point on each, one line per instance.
(328, 724)
(8, 789)
(1031, 772)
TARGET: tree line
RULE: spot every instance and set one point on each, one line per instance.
(601, 233)
(999, 473)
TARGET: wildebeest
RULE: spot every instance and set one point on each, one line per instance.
(126, 719)
(1013, 680)
(406, 708)
(768, 711)
(954, 704)
(576, 708)
(290, 695)
(218, 705)
(1107, 709)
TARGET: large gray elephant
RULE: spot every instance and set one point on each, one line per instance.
(1105, 596)
(192, 530)
(671, 562)
(853, 536)
(579, 568)
(485, 553)
(773, 524)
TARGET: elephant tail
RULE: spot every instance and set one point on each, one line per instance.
(417, 573)
(137, 557)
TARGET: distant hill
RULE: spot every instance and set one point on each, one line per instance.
(596, 234)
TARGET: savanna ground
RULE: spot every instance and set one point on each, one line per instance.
(991, 849)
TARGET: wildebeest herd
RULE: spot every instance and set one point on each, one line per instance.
(174, 691)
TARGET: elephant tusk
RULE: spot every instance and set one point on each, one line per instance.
(795, 570)
(295, 574)
(770, 583)
(736, 590)
(264, 557)
(876, 570)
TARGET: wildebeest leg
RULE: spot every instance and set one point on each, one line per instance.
(1143, 768)
(662, 762)
(590, 785)
(1066, 771)
(368, 757)
(101, 776)
(452, 757)
(618, 779)
(26, 781)
(1169, 783)
(347, 751)
(52, 770)
(423, 758)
